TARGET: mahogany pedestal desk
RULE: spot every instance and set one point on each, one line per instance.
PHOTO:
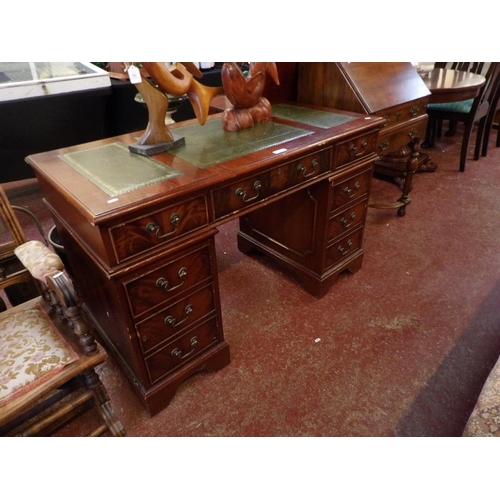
(139, 231)
(393, 91)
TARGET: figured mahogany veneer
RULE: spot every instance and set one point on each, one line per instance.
(145, 261)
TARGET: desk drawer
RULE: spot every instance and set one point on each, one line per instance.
(354, 149)
(167, 281)
(163, 226)
(343, 248)
(175, 318)
(182, 350)
(346, 220)
(256, 188)
(403, 113)
(392, 139)
(347, 190)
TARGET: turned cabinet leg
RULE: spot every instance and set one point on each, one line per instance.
(411, 167)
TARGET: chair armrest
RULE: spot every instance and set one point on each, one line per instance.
(38, 259)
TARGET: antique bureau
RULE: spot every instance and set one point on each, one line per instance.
(393, 91)
(139, 232)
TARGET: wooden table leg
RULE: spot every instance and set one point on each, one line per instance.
(411, 168)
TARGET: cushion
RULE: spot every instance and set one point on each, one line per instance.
(38, 259)
(31, 351)
(485, 418)
(453, 107)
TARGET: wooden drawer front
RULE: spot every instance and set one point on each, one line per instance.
(343, 248)
(350, 189)
(174, 319)
(354, 149)
(167, 281)
(346, 220)
(251, 190)
(392, 139)
(163, 226)
(404, 113)
(182, 350)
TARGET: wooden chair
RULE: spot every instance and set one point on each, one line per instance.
(15, 280)
(48, 353)
(469, 112)
(492, 113)
(473, 67)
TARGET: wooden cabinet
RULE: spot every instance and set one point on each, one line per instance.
(392, 91)
(145, 262)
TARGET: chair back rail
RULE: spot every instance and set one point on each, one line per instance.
(493, 109)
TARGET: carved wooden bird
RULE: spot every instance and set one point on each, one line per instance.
(245, 94)
(245, 91)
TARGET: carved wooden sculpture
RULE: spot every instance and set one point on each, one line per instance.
(175, 80)
(245, 94)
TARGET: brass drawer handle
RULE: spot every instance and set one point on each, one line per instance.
(343, 251)
(152, 227)
(345, 222)
(414, 111)
(383, 145)
(302, 170)
(354, 149)
(412, 133)
(170, 320)
(242, 194)
(163, 283)
(350, 192)
(177, 353)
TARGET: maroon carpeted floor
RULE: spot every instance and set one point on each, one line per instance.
(401, 348)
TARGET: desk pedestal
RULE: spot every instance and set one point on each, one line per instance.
(323, 232)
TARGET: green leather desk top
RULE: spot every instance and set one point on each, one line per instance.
(209, 144)
(115, 170)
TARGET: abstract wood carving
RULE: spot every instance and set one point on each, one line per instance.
(176, 80)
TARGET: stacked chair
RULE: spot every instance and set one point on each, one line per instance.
(48, 353)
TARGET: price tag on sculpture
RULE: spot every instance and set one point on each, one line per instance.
(134, 74)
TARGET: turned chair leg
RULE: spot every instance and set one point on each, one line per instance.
(94, 384)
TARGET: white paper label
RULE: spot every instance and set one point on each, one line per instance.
(134, 74)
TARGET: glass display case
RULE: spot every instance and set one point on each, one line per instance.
(22, 80)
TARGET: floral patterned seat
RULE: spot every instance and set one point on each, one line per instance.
(31, 350)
